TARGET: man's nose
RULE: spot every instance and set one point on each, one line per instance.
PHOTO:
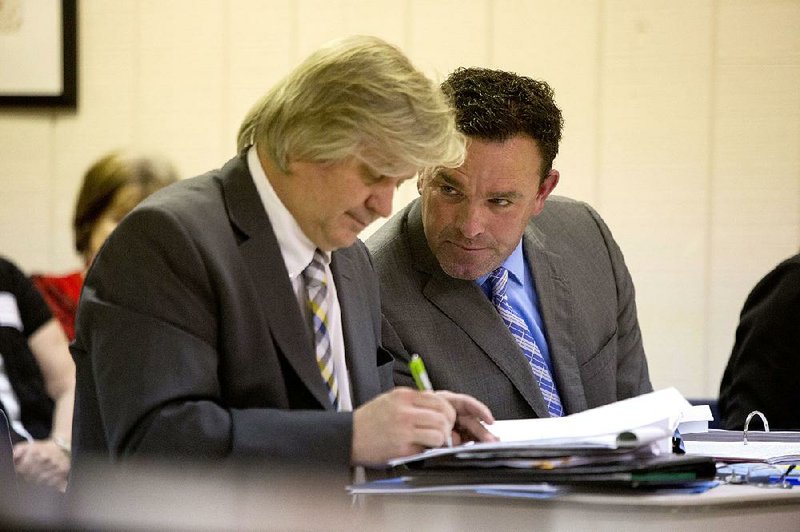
(470, 221)
(380, 199)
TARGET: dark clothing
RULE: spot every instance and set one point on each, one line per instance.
(763, 372)
(22, 312)
(191, 344)
(587, 303)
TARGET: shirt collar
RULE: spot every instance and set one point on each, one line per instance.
(514, 263)
(296, 248)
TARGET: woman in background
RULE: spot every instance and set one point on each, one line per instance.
(112, 186)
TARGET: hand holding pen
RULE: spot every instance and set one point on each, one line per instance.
(469, 411)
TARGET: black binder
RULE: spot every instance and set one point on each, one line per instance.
(652, 471)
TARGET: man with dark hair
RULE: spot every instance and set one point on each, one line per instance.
(516, 297)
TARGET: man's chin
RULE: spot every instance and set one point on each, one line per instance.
(345, 240)
(460, 270)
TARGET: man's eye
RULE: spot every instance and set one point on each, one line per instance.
(500, 202)
(448, 190)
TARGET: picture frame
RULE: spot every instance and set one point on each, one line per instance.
(38, 53)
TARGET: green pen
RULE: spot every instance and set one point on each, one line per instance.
(417, 368)
(420, 376)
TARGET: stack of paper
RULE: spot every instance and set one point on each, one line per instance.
(625, 443)
(658, 411)
(696, 420)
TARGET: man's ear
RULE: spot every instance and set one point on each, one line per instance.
(546, 186)
(423, 175)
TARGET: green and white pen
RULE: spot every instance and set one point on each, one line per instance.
(423, 382)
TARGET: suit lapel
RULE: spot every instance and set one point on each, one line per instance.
(262, 256)
(555, 305)
(464, 304)
(357, 328)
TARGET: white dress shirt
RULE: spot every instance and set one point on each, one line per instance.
(298, 251)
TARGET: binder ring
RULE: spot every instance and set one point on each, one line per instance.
(747, 424)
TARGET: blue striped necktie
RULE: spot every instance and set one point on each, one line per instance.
(498, 282)
(317, 288)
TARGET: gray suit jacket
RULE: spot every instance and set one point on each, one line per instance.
(190, 341)
(586, 299)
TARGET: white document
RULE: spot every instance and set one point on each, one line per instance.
(648, 418)
(399, 485)
(696, 420)
(660, 409)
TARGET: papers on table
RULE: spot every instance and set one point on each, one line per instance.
(403, 485)
(625, 444)
(662, 409)
(647, 419)
(696, 420)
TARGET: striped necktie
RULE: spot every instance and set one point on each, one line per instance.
(498, 282)
(317, 287)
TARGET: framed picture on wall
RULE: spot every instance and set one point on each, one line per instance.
(38, 53)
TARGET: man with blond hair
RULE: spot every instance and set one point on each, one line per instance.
(235, 314)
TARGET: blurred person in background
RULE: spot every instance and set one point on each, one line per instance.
(37, 381)
(112, 186)
(763, 371)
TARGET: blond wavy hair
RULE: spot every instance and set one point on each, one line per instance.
(356, 96)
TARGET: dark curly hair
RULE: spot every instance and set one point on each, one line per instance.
(495, 105)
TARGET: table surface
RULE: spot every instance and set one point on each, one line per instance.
(267, 499)
(725, 507)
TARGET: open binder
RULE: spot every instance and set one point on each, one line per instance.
(777, 448)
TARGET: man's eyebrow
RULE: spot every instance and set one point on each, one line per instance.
(442, 175)
(510, 194)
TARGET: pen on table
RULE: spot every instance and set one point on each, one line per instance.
(420, 376)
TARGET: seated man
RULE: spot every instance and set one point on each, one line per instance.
(236, 315)
(762, 372)
(482, 251)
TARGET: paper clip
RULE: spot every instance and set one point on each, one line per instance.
(747, 424)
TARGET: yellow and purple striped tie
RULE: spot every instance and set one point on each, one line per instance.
(317, 288)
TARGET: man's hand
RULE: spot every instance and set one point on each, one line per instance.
(42, 462)
(400, 423)
(470, 412)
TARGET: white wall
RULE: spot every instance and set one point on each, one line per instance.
(682, 126)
